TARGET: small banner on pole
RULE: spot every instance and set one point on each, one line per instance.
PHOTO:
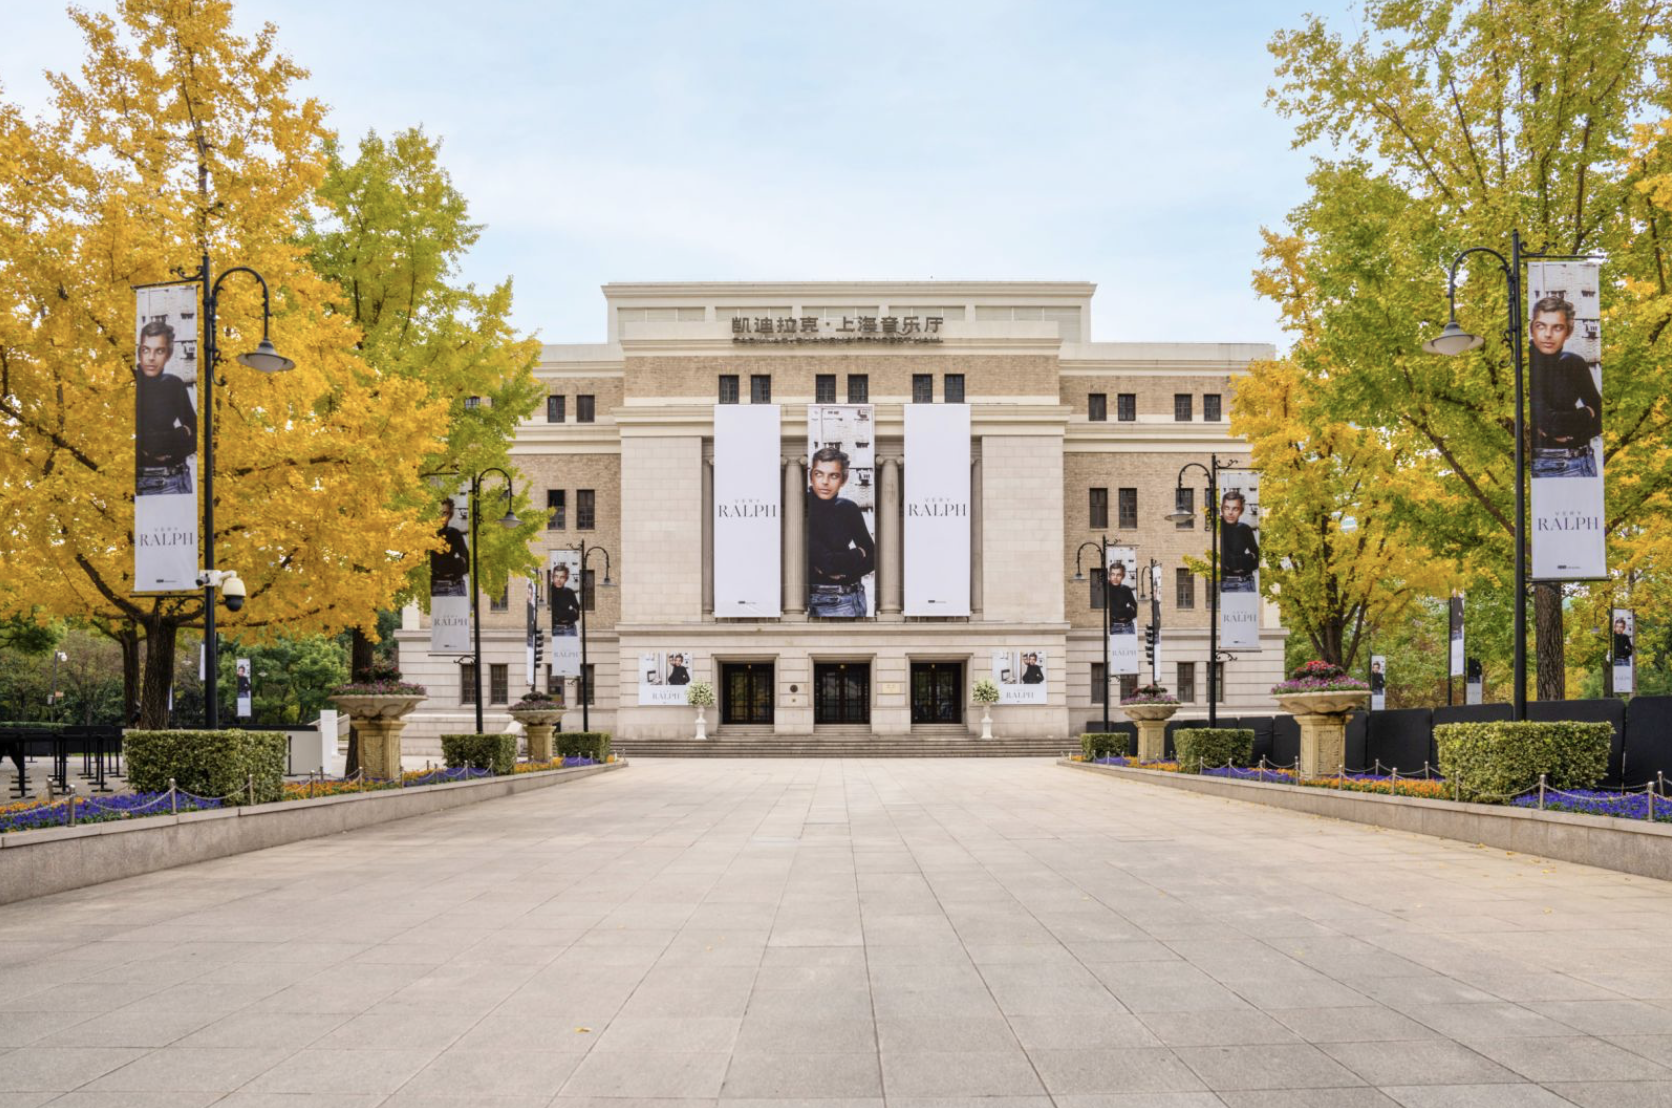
(563, 574)
(165, 438)
(450, 578)
(1239, 560)
(1456, 634)
(1378, 682)
(1121, 571)
(1624, 652)
(1564, 379)
(532, 632)
(241, 667)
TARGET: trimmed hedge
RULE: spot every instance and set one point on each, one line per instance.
(1213, 747)
(208, 763)
(495, 752)
(1491, 762)
(582, 744)
(1105, 744)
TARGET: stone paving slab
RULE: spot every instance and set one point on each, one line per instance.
(846, 934)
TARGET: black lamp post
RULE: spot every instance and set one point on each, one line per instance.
(583, 684)
(1211, 470)
(267, 360)
(510, 522)
(1102, 548)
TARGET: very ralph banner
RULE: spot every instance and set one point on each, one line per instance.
(165, 438)
(747, 524)
(937, 510)
(1564, 381)
(450, 578)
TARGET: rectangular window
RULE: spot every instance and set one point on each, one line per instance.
(1209, 516)
(923, 388)
(499, 683)
(1184, 500)
(728, 388)
(1186, 691)
(859, 388)
(589, 677)
(1097, 407)
(1128, 685)
(585, 409)
(1126, 407)
(586, 509)
(1099, 509)
(467, 683)
(1210, 407)
(554, 409)
(471, 403)
(760, 388)
(1184, 588)
(589, 590)
(1099, 683)
(1219, 682)
(502, 602)
(557, 504)
(953, 387)
(1097, 579)
(1183, 407)
(1128, 509)
(824, 388)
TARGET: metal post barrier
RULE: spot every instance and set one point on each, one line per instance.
(71, 803)
(173, 798)
(1377, 772)
(1541, 780)
(249, 783)
(1651, 802)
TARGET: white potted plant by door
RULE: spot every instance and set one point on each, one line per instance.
(701, 696)
(986, 694)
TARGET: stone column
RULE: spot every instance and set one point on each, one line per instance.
(889, 551)
(707, 539)
(975, 539)
(380, 747)
(539, 741)
(1323, 743)
(795, 538)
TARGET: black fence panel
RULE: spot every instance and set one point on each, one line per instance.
(1285, 741)
(1648, 743)
(1403, 738)
(1358, 728)
(1609, 711)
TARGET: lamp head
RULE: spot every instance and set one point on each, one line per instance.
(266, 358)
(1180, 515)
(1452, 340)
(509, 520)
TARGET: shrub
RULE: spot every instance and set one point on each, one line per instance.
(1492, 762)
(208, 763)
(495, 752)
(1105, 744)
(1212, 746)
(582, 744)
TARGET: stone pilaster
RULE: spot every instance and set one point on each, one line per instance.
(889, 552)
(708, 536)
(795, 538)
(975, 539)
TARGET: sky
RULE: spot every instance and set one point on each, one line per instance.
(1127, 144)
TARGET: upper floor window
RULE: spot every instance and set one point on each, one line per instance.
(954, 388)
(1126, 407)
(1184, 588)
(859, 388)
(1210, 407)
(824, 388)
(556, 506)
(471, 403)
(502, 602)
(1128, 509)
(499, 683)
(1183, 407)
(760, 388)
(554, 409)
(728, 388)
(586, 509)
(1097, 407)
(585, 409)
(1099, 509)
(923, 388)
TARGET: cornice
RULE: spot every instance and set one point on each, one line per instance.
(731, 290)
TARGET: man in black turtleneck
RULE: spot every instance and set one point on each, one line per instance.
(1239, 552)
(840, 551)
(1567, 408)
(1123, 605)
(167, 432)
(566, 607)
(1622, 643)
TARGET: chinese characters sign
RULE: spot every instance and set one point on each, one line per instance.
(857, 328)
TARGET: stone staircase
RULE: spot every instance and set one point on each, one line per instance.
(843, 742)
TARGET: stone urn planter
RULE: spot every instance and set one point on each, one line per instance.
(1322, 717)
(379, 718)
(1152, 728)
(700, 695)
(985, 694)
(538, 718)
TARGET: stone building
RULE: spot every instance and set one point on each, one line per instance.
(1071, 441)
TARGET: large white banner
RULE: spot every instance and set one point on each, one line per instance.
(450, 578)
(937, 510)
(1122, 603)
(1021, 675)
(1239, 560)
(1378, 682)
(665, 677)
(1564, 381)
(563, 575)
(1623, 652)
(165, 438)
(747, 528)
(841, 510)
(1455, 632)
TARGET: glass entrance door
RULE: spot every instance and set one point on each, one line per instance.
(937, 692)
(747, 692)
(842, 692)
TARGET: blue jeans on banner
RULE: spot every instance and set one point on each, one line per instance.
(836, 601)
(1122, 627)
(1564, 463)
(159, 480)
(1237, 582)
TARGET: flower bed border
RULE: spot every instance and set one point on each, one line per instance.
(57, 859)
(1606, 842)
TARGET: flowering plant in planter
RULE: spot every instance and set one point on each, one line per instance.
(381, 679)
(700, 694)
(984, 691)
(1150, 694)
(535, 699)
(1318, 676)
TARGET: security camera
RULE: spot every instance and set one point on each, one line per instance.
(232, 588)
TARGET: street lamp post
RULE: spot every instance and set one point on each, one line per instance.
(584, 685)
(1102, 548)
(267, 360)
(1179, 515)
(510, 522)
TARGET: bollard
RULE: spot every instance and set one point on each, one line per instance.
(1378, 768)
(71, 803)
(249, 783)
(1651, 803)
(173, 799)
(1541, 779)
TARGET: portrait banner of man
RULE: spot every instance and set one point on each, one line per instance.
(841, 511)
(1474, 685)
(1239, 560)
(563, 585)
(165, 438)
(450, 577)
(1564, 382)
(246, 689)
(1623, 651)
(1121, 598)
(1021, 675)
(665, 677)
(1455, 633)
(1378, 682)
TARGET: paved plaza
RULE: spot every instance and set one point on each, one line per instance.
(852, 933)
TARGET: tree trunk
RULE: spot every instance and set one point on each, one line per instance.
(159, 673)
(128, 638)
(361, 656)
(1547, 629)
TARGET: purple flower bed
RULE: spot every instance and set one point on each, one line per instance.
(97, 810)
(1596, 802)
(1320, 684)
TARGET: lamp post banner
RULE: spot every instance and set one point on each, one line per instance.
(665, 677)
(563, 576)
(748, 529)
(531, 632)
(241, 667)
(937, 510)
(1623, 652)
(841, 510)
(1239, 560)
(1021, 675)
(1455, 630)
(165, 438)
(1565, 381)
(1120, 572)
(1474, 685)
(1378, 682)
(450, 578)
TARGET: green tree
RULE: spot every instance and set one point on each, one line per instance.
(291, 676)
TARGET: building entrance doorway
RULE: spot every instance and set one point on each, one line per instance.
(937, 692)
(746, 692)
(842, 692)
